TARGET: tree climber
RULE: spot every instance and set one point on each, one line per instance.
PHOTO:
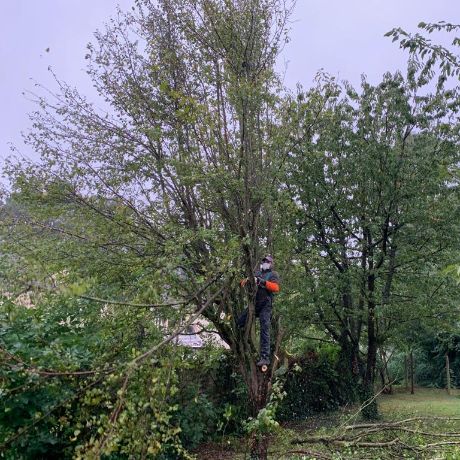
(267, 282)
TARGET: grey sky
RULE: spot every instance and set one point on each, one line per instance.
(344, 37)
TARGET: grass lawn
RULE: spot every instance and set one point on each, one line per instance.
(431, 431)
(424, 401)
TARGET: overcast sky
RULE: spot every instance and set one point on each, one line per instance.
(344, 37)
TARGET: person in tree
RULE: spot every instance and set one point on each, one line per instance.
(268, 284)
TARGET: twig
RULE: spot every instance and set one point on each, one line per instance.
(51, 373)
(441, 444)
(346, 442)
(24, 430)
(311, 453)
(364, 405)
(130, 304)
(397, 423)
(159, 305)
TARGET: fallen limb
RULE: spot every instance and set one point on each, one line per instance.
(441, 444)
(347, 442)
(311, 453)
(397, 422)
(409, 430)
(358, 436)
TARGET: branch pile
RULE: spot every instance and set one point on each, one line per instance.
(421, 435)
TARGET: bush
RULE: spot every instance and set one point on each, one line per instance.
(196, 416)
(313, 384)
(212, 398)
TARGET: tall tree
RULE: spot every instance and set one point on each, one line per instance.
(176, 177)
(371, 179)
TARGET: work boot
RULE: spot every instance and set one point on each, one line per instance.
(263, 362)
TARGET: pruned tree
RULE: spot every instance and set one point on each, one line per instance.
(175, 178)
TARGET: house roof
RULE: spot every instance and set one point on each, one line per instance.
(190, 340)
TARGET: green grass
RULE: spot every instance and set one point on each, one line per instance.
(424, 402)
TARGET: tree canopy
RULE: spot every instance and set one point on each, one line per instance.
(141, 218)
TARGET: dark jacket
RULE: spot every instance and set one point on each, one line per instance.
(264, 294)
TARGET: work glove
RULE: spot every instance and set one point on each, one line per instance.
(260, 282)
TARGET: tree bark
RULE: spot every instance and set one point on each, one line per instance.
(447, 373)
(259, 386)
(411, 358)
(406, 372)
(386, 378)
(370, 410)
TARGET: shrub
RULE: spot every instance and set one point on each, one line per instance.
(313, 384)
(212, 399)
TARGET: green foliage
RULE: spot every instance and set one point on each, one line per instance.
(145, 425)
(212, 398)
(429, 59)
(46, 410)
(36, 340)
(200, 165)
(373, 213)
(197, 417)
(430, 360)
(230, 394)
(265, 423)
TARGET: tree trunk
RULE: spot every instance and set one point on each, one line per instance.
(259, 386)
(382, 378)
(406, 372)
(370, 409)
(447, 373)
(386, 378)
(411, 358)
(371, 334)
(259, 442)
(259, 448)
